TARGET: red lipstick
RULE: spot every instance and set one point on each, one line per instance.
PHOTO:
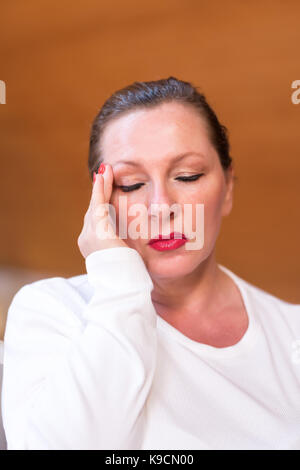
(162, 244)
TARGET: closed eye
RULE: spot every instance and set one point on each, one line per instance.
(126, 189)
(185, 179)
(189, 178)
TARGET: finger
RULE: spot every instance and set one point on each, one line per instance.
(97, 196)
(108, 177)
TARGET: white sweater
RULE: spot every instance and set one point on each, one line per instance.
(88, 364)
(2, 433)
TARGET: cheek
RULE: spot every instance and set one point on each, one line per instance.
(214, 199)
(211, 196)
(213, 207)
(122, 205)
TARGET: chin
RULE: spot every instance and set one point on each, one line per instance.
(171, 267)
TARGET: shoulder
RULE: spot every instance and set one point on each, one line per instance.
(44, 319)
(262, 299)
(268, 300)
(277, 316)
(54, 303)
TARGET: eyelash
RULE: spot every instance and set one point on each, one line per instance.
(185, 179)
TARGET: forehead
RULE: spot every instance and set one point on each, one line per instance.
(153, 134)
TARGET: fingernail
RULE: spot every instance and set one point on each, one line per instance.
(94, 177)
(101, 169)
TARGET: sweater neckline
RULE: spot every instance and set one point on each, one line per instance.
(243, 345)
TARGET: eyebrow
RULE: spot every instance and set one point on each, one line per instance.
(179, 157)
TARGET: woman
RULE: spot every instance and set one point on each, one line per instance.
(156, 346)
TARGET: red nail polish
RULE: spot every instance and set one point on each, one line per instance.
(94, 177)
(101, 169)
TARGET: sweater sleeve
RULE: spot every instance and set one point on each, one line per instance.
(81, 383)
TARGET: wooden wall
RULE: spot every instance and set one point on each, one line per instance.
(60, 60)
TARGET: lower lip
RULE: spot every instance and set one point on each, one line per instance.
(163, 245)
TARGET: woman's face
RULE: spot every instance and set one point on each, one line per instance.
(151, 140)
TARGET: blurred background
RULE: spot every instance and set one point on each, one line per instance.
(61, 60)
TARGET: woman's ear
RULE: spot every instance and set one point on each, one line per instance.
(228, 199)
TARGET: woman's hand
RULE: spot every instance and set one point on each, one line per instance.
(98, 232)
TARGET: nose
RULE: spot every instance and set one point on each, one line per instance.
(160, 203)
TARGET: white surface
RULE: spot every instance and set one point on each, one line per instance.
(90, 365)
